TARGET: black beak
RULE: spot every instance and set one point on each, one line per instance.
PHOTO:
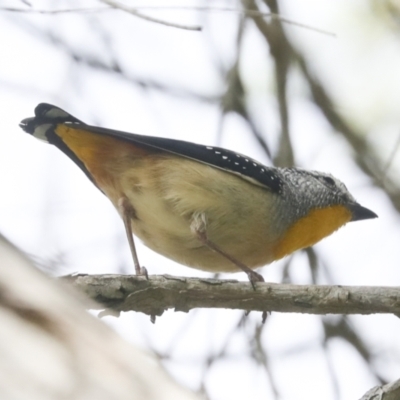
(360, 212)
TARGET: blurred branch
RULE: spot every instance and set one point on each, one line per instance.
(283, 50)
(161, 292)
(100, 63)
(133, 11)
(390, 391)
(342, 328)
(282, 55)
(365, 155)
(52, 349)
(51, 12)
(389, 162)
(234, 99)
(260, 355)
(114, 6)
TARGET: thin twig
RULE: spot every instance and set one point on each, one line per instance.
(61, 11)
(133, 11)
(247, 12)
(113, 5)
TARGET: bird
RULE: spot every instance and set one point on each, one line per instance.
(202, 206)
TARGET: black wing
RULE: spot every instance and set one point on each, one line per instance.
(217, 157)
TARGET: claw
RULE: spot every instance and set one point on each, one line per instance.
(264, 316)
(143, 271)
(254, 277)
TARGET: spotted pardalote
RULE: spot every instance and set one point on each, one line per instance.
(203, 206)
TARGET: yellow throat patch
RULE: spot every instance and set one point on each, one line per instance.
(310, 229)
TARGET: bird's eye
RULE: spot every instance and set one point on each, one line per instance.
(329, 181)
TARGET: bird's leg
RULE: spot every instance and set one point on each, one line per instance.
(128, 213)
(198, 227)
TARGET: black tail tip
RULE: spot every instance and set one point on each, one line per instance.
(47, 114)
(27, 125)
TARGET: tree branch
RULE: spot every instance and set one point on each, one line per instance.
(390, 391)
(161, 292)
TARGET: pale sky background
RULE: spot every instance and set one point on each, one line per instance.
(49, 209)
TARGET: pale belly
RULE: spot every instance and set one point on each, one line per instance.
(164, 209)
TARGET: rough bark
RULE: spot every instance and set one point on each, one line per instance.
(162, 292)
(390, 391)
